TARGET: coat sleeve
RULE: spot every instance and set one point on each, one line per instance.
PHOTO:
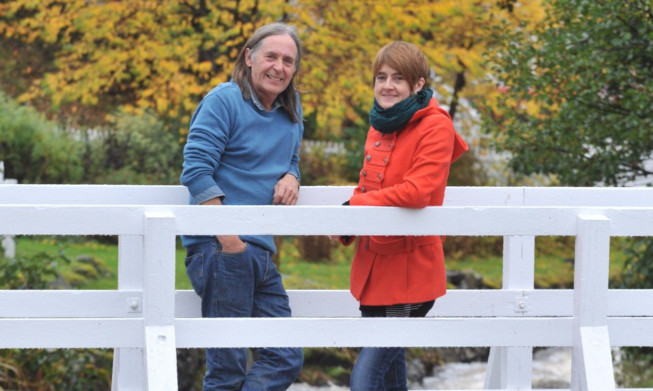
(428, 171)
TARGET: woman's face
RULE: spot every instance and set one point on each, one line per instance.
(391, 88)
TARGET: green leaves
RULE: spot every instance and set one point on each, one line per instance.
(588, 85)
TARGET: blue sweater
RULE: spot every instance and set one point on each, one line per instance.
(239, 152)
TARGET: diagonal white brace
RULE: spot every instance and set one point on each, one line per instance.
(591, 357)
(596, 359)
(160, 358)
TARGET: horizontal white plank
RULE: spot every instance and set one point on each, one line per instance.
(318, 220)
(630, 302)
(71, 220)
(70, 304)
(319, 303)
(355, 332)
(317, 332)
(631, 331)
(440, 332)
(71, 333)
(141, 195)
(93, 195)
(465, 303)
(330, 195)
(331, 220)
(588, 196)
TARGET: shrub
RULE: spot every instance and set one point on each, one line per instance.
(34, 149)
(137, 150)
(48, 369)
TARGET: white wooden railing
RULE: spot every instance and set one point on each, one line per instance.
(145, 319)
(6, 241)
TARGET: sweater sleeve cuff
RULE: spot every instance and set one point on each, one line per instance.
(212, 192)
(294, 170)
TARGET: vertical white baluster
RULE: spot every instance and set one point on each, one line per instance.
(511, 367)
(8, 243)
(591, 358)
(128, 363)
(159, 302)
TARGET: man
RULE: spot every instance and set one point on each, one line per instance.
(243, 149)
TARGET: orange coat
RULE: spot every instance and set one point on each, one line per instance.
(408, 168)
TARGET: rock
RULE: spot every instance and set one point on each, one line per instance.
(465, 279)
(415, 371)
(464, 355)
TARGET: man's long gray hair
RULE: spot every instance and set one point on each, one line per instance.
(242, 73)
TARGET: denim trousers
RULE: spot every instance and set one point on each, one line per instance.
(383, 369)
(379, 369)
(239, 285)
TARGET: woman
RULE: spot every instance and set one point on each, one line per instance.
(409, 148)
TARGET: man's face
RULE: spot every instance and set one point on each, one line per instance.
(272, 66)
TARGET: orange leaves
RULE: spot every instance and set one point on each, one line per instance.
(167, 54)
(133, 53)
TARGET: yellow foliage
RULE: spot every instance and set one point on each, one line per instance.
(167, 54)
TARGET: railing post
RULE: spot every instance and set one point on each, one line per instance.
(9, 246)
(511, 367)
(591, 357)
(128, 369)
(8, 243)
(159, 302)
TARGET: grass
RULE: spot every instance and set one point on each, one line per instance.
(104, 253)
(553, 266)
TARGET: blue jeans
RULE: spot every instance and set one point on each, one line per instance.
(384, 369)
(379, 369)
(239, 285)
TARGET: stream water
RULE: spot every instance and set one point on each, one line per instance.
(551, 369)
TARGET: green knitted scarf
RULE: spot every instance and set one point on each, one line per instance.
(397, 116)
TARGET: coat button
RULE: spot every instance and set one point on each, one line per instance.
(376, 144)
(391, 145)
(368, 157)
(363, 189)
(364, 173)
(379, 176)
(385, 160)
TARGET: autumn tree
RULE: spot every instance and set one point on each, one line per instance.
(166, 55)
(577, 92)
(342, 37)
(132, 54)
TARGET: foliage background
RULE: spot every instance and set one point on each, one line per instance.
(102, 92)
(80, 60)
